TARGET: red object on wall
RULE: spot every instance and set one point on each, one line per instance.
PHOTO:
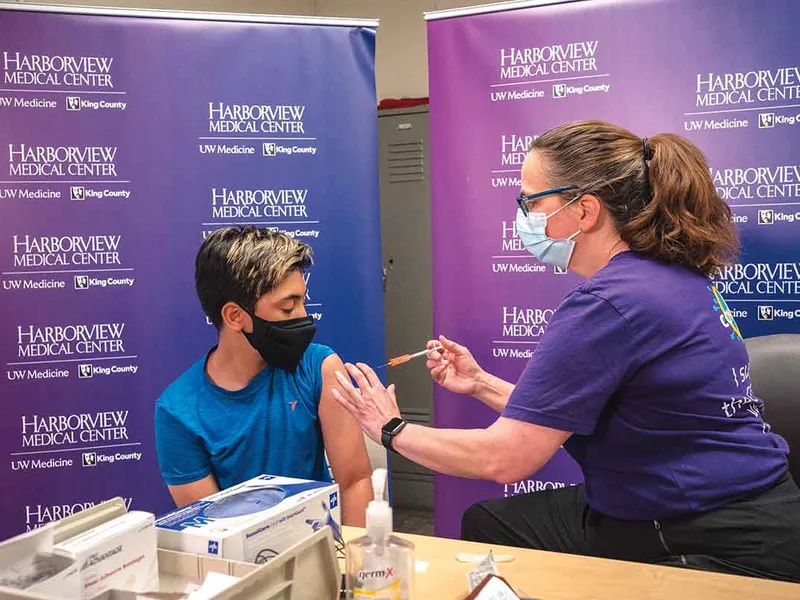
(387, 103)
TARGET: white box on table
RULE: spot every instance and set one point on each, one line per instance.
(121, 553)
(253, 521)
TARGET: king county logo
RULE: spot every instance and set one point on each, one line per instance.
(725, 317)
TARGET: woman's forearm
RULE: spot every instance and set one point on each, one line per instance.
(469, 453)
(506, 451)
(493, 392)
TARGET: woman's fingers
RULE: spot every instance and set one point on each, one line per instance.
(344, 400)
(359, 378)
(352, 394)
(453, 347)
(372, 378)
(439, 374)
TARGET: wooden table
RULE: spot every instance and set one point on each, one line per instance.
(550, 575)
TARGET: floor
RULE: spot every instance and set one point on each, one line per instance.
(419, 522)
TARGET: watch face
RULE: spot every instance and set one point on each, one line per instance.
(392, 425)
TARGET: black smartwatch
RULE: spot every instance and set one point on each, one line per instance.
(390, 431)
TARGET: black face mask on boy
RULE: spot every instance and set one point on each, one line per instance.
(281, 343)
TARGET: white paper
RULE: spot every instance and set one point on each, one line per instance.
(496, 589)
(30, 571)
(479, 573)
(27, 562)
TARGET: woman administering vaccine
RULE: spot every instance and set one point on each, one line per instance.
(641, 375)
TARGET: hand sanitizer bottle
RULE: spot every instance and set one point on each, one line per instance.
(379, 565)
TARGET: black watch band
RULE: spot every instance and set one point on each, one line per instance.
(390, 431)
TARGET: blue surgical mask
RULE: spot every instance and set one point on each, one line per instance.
(531, 229)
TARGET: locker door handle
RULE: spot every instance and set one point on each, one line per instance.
(386, 274)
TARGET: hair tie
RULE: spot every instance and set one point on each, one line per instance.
(647, 152)
(647, 156)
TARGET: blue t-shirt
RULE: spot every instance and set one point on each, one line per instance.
(271, 426)
(645, 365)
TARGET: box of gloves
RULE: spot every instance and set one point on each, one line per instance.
(253, 521)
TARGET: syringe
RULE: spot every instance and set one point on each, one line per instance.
(399, 360)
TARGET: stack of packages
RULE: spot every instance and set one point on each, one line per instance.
(115, 555)
(120, 553)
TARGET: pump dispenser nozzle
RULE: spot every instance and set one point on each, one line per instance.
(379, 483)
(379, 513)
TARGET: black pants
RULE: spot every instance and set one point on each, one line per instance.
(757, 536)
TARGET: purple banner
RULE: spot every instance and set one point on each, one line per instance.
(726, 75)
(124, 141)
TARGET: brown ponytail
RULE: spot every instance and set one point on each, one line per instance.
(666, 207)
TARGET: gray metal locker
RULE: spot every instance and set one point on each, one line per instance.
(403, 136)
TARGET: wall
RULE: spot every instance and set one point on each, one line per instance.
(401, 60)
(285, 7)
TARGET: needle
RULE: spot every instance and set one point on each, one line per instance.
(399, 360)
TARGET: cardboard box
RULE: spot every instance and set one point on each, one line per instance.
(120, 553)
(307, 570)
(28, 564)
(253, 521)
(179, 572)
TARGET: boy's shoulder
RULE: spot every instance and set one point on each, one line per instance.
(188, 383)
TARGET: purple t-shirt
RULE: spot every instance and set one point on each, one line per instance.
(646, 366)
